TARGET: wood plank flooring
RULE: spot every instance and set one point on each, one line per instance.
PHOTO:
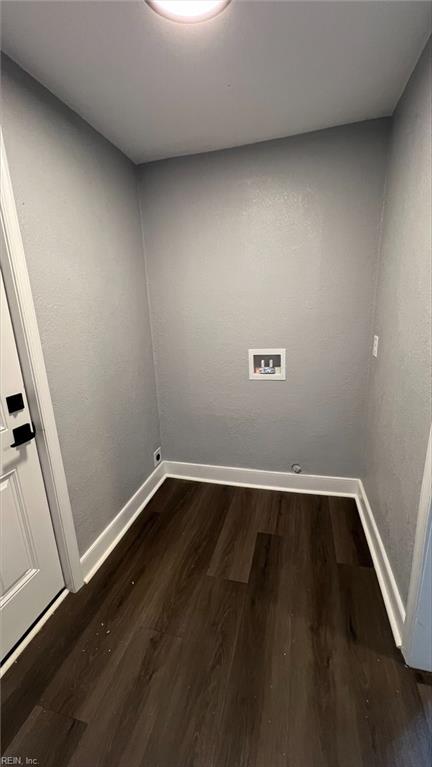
(230, 627)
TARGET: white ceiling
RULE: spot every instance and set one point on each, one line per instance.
(260, 70)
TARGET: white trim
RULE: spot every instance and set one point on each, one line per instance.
(314, 484)
(31, 634)
(98, 552)
(226, 475)
(17, 283)
(317, 484)
(417, 639)
(114, 532)
(389, 589)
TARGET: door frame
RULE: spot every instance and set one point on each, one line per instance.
(416, 640)
(22, 310)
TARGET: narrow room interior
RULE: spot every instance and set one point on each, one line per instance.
(200, 198)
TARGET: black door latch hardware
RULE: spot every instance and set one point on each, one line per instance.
(23, 434)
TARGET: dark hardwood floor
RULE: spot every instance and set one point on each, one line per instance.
(229, 628)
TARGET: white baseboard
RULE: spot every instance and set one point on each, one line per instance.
(109, 538)
(389, 589)
(268, 480)
(228, 475)
(317, 485)
(225, 475)
(98, 552)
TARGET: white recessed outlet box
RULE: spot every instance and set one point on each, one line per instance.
(157, 456)
(375, 346)
(267, 364)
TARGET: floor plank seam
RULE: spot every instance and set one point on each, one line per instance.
(295, 665)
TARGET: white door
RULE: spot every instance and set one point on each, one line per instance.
(30, 569)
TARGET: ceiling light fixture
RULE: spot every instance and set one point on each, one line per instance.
(188, 11)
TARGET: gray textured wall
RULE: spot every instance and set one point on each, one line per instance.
(273, 244)
(79, 216)
(399, 407)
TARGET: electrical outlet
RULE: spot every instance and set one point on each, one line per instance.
(157, 456)
(375, 346)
